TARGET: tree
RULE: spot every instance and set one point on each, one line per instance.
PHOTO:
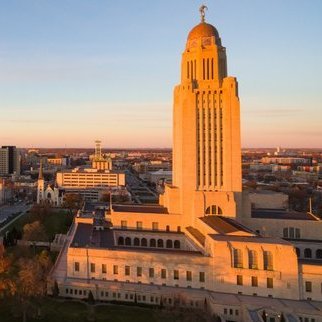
(32, 279)
(34, 232)
(106, 197)
(7, 284)
(72, 201)
(55, 289)
(90, 298)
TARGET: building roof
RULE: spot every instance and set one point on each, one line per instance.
(224, 225)
(197, 234)
(157, 209)
(88, 237)
(281, 214)
(250, 239)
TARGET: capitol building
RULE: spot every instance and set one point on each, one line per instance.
(203, 246)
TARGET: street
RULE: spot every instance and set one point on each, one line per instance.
(7, 210)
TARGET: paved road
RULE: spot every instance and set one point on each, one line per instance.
(7, 210)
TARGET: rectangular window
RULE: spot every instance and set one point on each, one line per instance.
(127, 270)
(254, 281)
(115, 269)
(139, 271)
(238, 258)
(189, 276)
(76, 266)
(139, 225)
(202, 277)
(104, 269)
(92, 268)
(291, 232)
(308, 286)
(268, 260)
(123, 224)
(151, 272)
(163, 273)
(252, 259)
(239, 280)
(176, 274)
(270, 282)
(155, 226)
(297, 233)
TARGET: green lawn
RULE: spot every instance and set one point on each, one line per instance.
(55, 221)
(61, 311)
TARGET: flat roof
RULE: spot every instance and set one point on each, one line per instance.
(88, 237)
(250, 239)
(156, 209)
(281, 214)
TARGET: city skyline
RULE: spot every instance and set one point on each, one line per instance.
(73, 73)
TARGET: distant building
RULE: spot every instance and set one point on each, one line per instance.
(9, 160)
(90, 183)
(287, 160)
(2, 191)
(101, 174)
(61, 161)
(48, 193)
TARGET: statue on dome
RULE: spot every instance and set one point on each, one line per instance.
(202, 12)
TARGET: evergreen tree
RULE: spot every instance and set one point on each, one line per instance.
(90, 298)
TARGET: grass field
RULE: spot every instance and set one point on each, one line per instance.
(54, 221)
(60, 311)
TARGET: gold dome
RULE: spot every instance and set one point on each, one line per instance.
(203, 30)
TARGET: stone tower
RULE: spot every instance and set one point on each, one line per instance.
(206, 132)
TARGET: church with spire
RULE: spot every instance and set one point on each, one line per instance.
(193, 249)
(48, 193)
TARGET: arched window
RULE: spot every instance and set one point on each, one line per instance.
(120, 241)
(153, 243)
(128, 241)
(238, 258)
(48, 195)
(307, 253)
(169, 243)
(136, 241)
(160, 243)
(318, 253)
(213, 210)
(144, 242)
(268, 260)
(176, 244)
(167, 228)
(252, 259)
(298, 252)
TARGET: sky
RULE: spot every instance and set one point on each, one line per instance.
(73, 71)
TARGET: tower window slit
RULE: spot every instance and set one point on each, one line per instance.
(212, 68)
(188, 69)
(207, 68)
(195, 69)
(203, 69)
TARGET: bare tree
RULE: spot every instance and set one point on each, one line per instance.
(34, 231)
